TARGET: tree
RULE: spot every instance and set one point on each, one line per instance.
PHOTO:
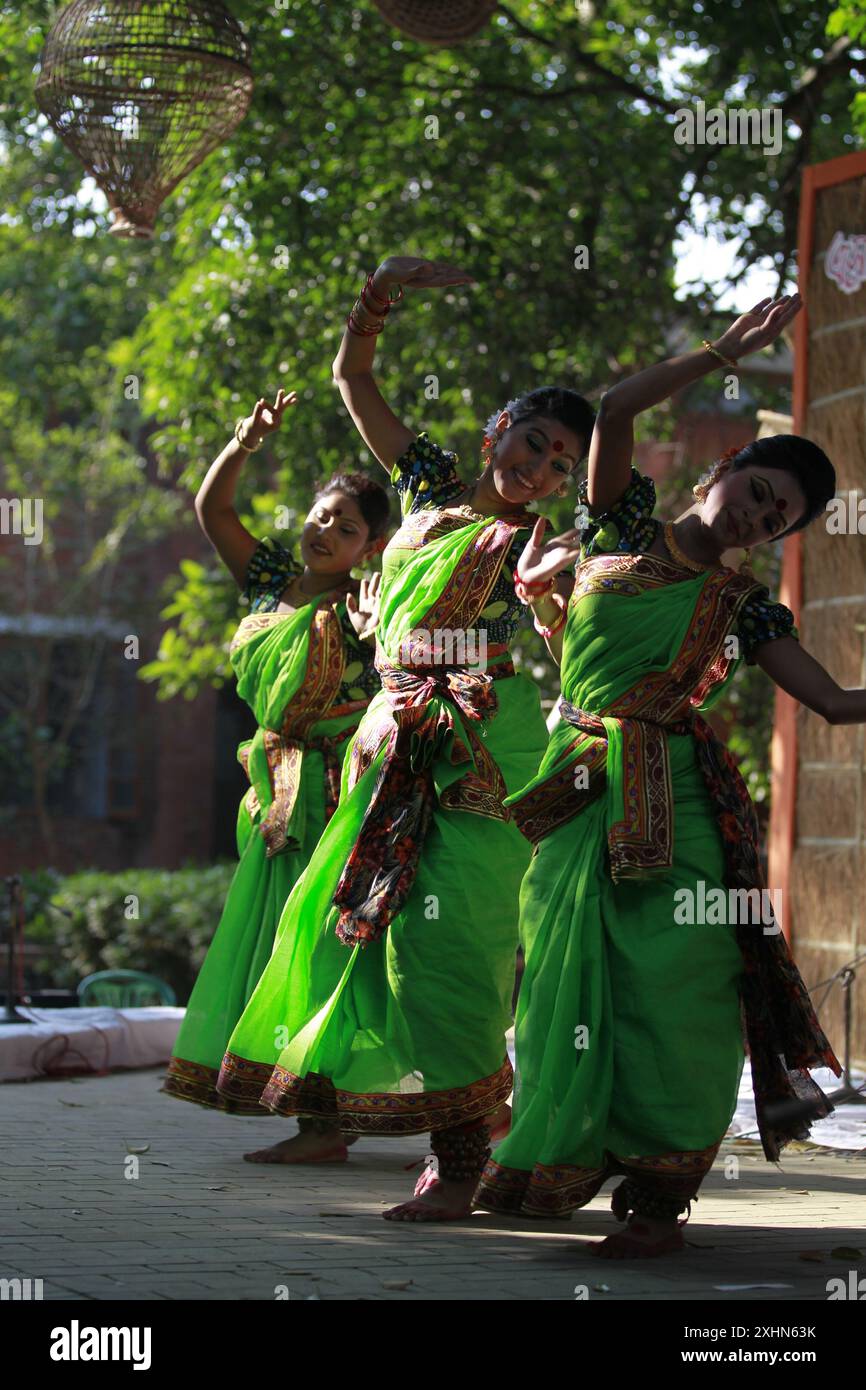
(552, 132)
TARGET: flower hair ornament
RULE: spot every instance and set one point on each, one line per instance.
(721, 465)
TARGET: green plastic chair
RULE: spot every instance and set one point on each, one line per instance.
(123, 989)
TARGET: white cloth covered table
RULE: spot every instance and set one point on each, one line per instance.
(59, 1041)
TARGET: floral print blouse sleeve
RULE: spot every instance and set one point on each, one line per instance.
(762, 620)
(270, 568)
(426, 476)
(629, 525)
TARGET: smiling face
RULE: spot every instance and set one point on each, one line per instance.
(752, 505)
(335, 537)
(533, 458)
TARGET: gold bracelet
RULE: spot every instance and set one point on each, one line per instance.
(727, 361)
(250, 448)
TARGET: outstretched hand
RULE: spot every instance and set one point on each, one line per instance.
(415, 273)
(267, 418)
(363, 611)
(760, 326)
(541, 559)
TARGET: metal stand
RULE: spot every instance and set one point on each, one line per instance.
(848, 1094)
(16, 923)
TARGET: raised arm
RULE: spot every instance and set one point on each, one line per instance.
(612, 446)
(798, 673)
(214, 501)
(384, 434)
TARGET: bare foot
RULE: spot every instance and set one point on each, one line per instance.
(440, 1200)
(307, 1147)
(641, 1239)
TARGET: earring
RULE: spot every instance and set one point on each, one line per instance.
(700, 491)
(745, 567)
(487, 447)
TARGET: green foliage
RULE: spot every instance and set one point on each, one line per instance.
(552, 129)
(848, 21)
(85, 922)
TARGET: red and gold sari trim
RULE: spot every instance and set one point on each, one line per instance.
(249, 1086)
(556, 1189)
(195, 1082)
(284, 748)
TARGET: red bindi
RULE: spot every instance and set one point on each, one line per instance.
(781, 503)
(558, 445)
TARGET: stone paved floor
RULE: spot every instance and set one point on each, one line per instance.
(198, 1223)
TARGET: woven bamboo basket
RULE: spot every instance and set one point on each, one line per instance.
(439, 22)
(141, 91)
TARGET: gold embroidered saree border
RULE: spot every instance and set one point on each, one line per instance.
(195, 1082)
(377, 1112)
(556, 1189)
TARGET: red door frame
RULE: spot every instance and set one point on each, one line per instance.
(784, 745)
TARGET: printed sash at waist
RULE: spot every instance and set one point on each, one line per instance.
(634, 748)
(285, 758)
(420, 727)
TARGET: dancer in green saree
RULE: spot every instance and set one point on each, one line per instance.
(643, 917)
(385, 1005)
(304, 661)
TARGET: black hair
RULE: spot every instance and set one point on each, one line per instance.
(557, 403)
(800, 457)
(372, 500)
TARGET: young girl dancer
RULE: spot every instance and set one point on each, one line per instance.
(629, 1044)
(304, 660)
(404, 928)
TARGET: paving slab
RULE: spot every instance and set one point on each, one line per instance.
(189, 1220)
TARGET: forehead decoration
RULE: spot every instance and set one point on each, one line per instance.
(558, 445)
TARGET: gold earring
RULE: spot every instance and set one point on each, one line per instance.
(745, 567)
(700, 491)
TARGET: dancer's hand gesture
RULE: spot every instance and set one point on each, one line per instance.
(415, 273)
(364, 610)
(267, 418)
(760, 326)
(541, 559)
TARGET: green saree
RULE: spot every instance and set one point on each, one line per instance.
(306, 682)
(629, 1041)
(387, 1010)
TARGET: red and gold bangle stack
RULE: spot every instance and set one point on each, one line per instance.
(548, 632)
(372, 302)
(529, 592)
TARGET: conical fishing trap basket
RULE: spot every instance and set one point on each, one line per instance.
(437, 21)
(142, 91)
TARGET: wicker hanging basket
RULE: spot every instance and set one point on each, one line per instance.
(141, 91)
(437, 21)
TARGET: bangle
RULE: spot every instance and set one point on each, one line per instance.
(374, 293)
(532, 586)
(250, 448)
(548, 632)
(362, 330)
(728, 361)
(526, 595)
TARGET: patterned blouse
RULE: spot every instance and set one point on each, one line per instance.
(426, 476)
(269, 571)
(629, 526)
